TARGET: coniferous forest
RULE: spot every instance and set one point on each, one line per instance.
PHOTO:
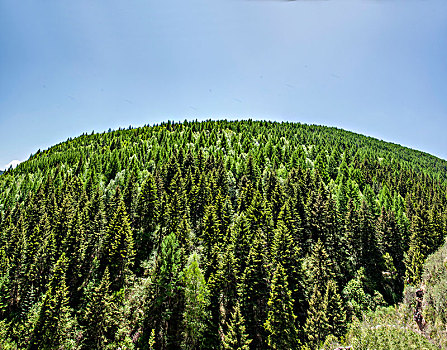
(223, 235)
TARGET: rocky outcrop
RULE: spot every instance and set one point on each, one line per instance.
(417, 313)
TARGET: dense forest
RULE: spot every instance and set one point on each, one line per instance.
(222, 235)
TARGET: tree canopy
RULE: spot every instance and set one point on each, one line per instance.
(214, 234)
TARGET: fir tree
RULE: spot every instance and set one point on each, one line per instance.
(118, 248)
(196, 302)
(317, 324)
(235, 337)
(280, 323)
(52, 326)
(254, 291)
(99, 318)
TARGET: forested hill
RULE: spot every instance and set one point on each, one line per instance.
(212, 235)
(241, 137)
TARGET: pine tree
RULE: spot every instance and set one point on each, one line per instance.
(241, 238)
(99, 318)
(130, 193)
(322, 166)
(317, 324)
(370, 256)
(353, 239)
(4, 292)
(147, 216)
(211, 237)
(286, 252)
(280, 323)
(320, 268)
(223, 292)
(195, 313)
(335, 311)
(419, 246)
(235, 337)
(53, 323)
(254, 291)
(164, 311)
(118, 247)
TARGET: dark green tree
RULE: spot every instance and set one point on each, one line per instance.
(99, 316)
(118, 248)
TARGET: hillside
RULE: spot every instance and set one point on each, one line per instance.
(216, 234)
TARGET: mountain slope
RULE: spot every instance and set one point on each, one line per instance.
(191, 234)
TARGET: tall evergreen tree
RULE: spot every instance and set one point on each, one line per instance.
(287, 253)
(254, 292)
(54, 321)
(147, 215)
(235, 338)
(163, 312)
(99, 315)
(195, 314)
(118, 247)
(280, 323)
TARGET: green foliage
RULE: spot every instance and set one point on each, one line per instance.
(381, 331)
(280, 323)
(54, 321)
(118, 247)
(316, 327)
(166, 293)
(195, 314)
(435, 285)
(111, 226)
(99, 317)
(357, 296)
(254, 291)
(236, 338)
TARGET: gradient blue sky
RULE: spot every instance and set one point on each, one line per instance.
(375, 67)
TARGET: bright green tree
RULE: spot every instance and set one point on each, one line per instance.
(280, 323)
(235, 337)
(195, 313)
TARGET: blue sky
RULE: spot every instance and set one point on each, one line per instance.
(377, 67)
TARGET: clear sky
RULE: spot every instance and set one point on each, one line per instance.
(377, 67)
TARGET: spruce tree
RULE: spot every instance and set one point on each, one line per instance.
(280, 323)
(335, 310)
(254, 291)
(163, 313)
(320, 268)
(52, 326)
(195, 315)
(317, 324)
(118, 247)
(235, 338)
(286, 252)
(99, 318)
(147, 215)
